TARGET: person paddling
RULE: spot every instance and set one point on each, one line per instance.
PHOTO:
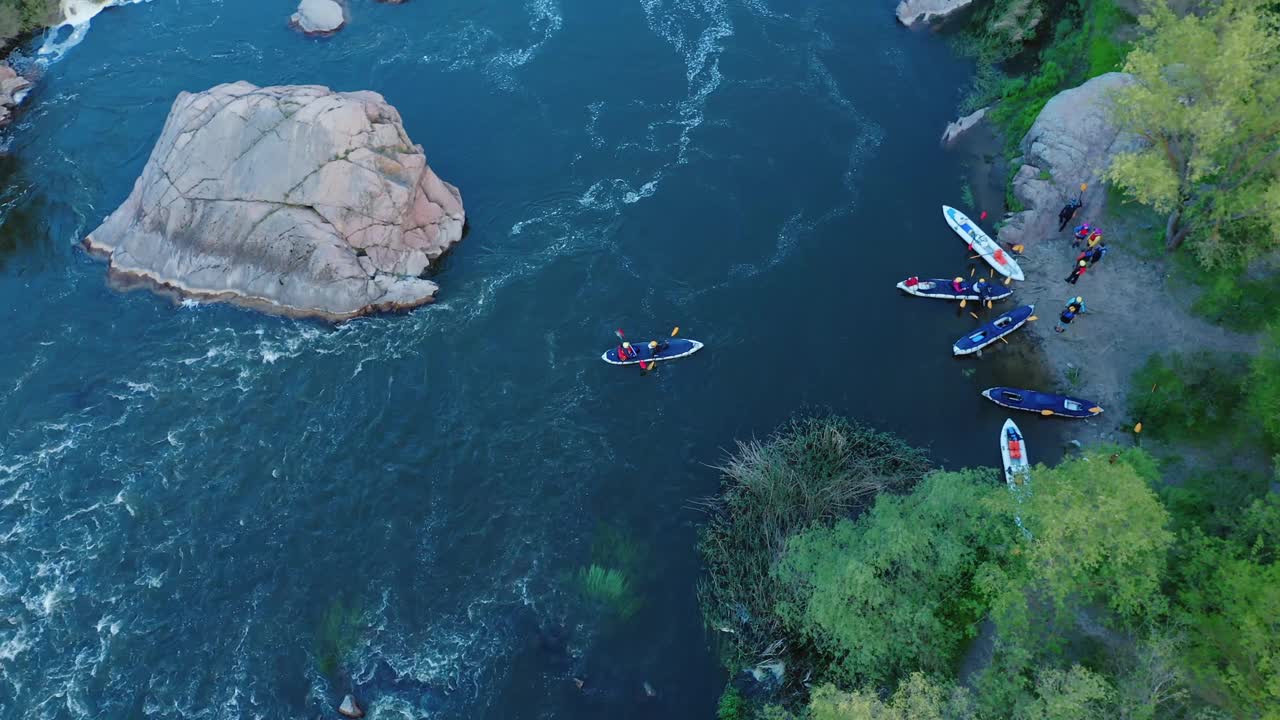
(625, 351)
(656, 347)
(957, 285)
(981, 288)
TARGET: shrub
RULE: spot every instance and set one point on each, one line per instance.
(1264, 386)
(1192, 397)
(810, 472)
(732, 706)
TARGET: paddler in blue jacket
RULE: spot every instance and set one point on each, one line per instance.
(981, 288)
(656, 347)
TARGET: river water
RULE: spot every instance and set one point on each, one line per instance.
(185, 489)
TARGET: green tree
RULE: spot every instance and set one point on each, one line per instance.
(1205, 100)
(1230, 602)
(1074, 694)
(1263, 385)
(917, 698)
(902, 588)
(1099, 535)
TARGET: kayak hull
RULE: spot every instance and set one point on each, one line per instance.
(1038, 402)
(1017, 470)
(677, 348)
(982, 243)
(991, 332)
(940, 288)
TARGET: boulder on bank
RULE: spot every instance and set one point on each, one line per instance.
(1071, 142)
(319, 17)
(13, 88)
(294, 199)
(917, 12)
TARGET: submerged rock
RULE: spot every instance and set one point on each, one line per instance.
(349, 708)
(1071, 142)
(916, 12)
(959, 127)
(13, 88)
(319, 17)
(295, 199)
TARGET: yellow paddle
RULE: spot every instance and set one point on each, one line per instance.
(675, 330)
(1046, 412)
(1137, 428)
(1095, 410)
(974, 314)
(1033, 317)
(972, 270)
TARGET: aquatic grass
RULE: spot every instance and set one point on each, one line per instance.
(966, 196)
(813, 470)
(609, 588)
(337, 634)
(1073, 376)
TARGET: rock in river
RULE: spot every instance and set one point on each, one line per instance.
(318, 17)
(295, 199)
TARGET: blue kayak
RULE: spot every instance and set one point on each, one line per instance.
(988, 333)
(1039, 402)
(941, 288)
(676, 348)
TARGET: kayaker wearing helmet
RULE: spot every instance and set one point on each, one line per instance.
(957, 285)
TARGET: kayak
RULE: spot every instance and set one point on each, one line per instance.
(1017, 469)
(982, 243)
(990, 332)
(941, 288)
(676, 348)
(1043, 403)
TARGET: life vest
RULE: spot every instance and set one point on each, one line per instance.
(1015, 449)
(912, 281)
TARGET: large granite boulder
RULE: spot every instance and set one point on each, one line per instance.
(319, 17)
(915, 12)
(13, 88)
(294, 199)
(1071, 142)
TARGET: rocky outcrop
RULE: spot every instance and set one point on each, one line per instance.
(319, 17)
(294, 199)
(1071, 142)
(13, 88)
(959, 127)
(349, 708)
(917, 12)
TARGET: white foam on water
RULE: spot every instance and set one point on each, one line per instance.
(76, 15)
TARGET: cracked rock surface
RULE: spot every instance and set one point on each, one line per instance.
(292, 199)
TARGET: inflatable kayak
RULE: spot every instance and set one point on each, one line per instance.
(941, 288)
(993, 331)
(982, 243)
(1043, 403)
(1017, 469)
(676, 348)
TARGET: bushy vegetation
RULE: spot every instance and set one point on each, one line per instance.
(1082, 44)
(23, 16)
(1196, 397)
(608, 587)
(1111, 603)
(810, 473)
(1234, 301)
(865, 594)
(1263, 386)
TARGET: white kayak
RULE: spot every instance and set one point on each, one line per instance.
(982, 243)
(1017, 470)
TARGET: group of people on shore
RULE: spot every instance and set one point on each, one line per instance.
(1087, 238)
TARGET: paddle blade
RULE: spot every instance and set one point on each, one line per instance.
(675, 330)
(618, 332)
(1006, 342)
(1033, 317)
(972, 270)
(1095, 410)
(1008, 281)
(988, 304)
(1046, 413)
(974, 314)
(643, 366)
(962, 302)
(1084, 186)
(1137, 428)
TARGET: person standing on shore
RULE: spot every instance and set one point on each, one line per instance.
(1081, 232)
(1096, 254)
(1068, 212)
(1081, 267)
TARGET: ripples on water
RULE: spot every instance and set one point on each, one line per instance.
(185, 489)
